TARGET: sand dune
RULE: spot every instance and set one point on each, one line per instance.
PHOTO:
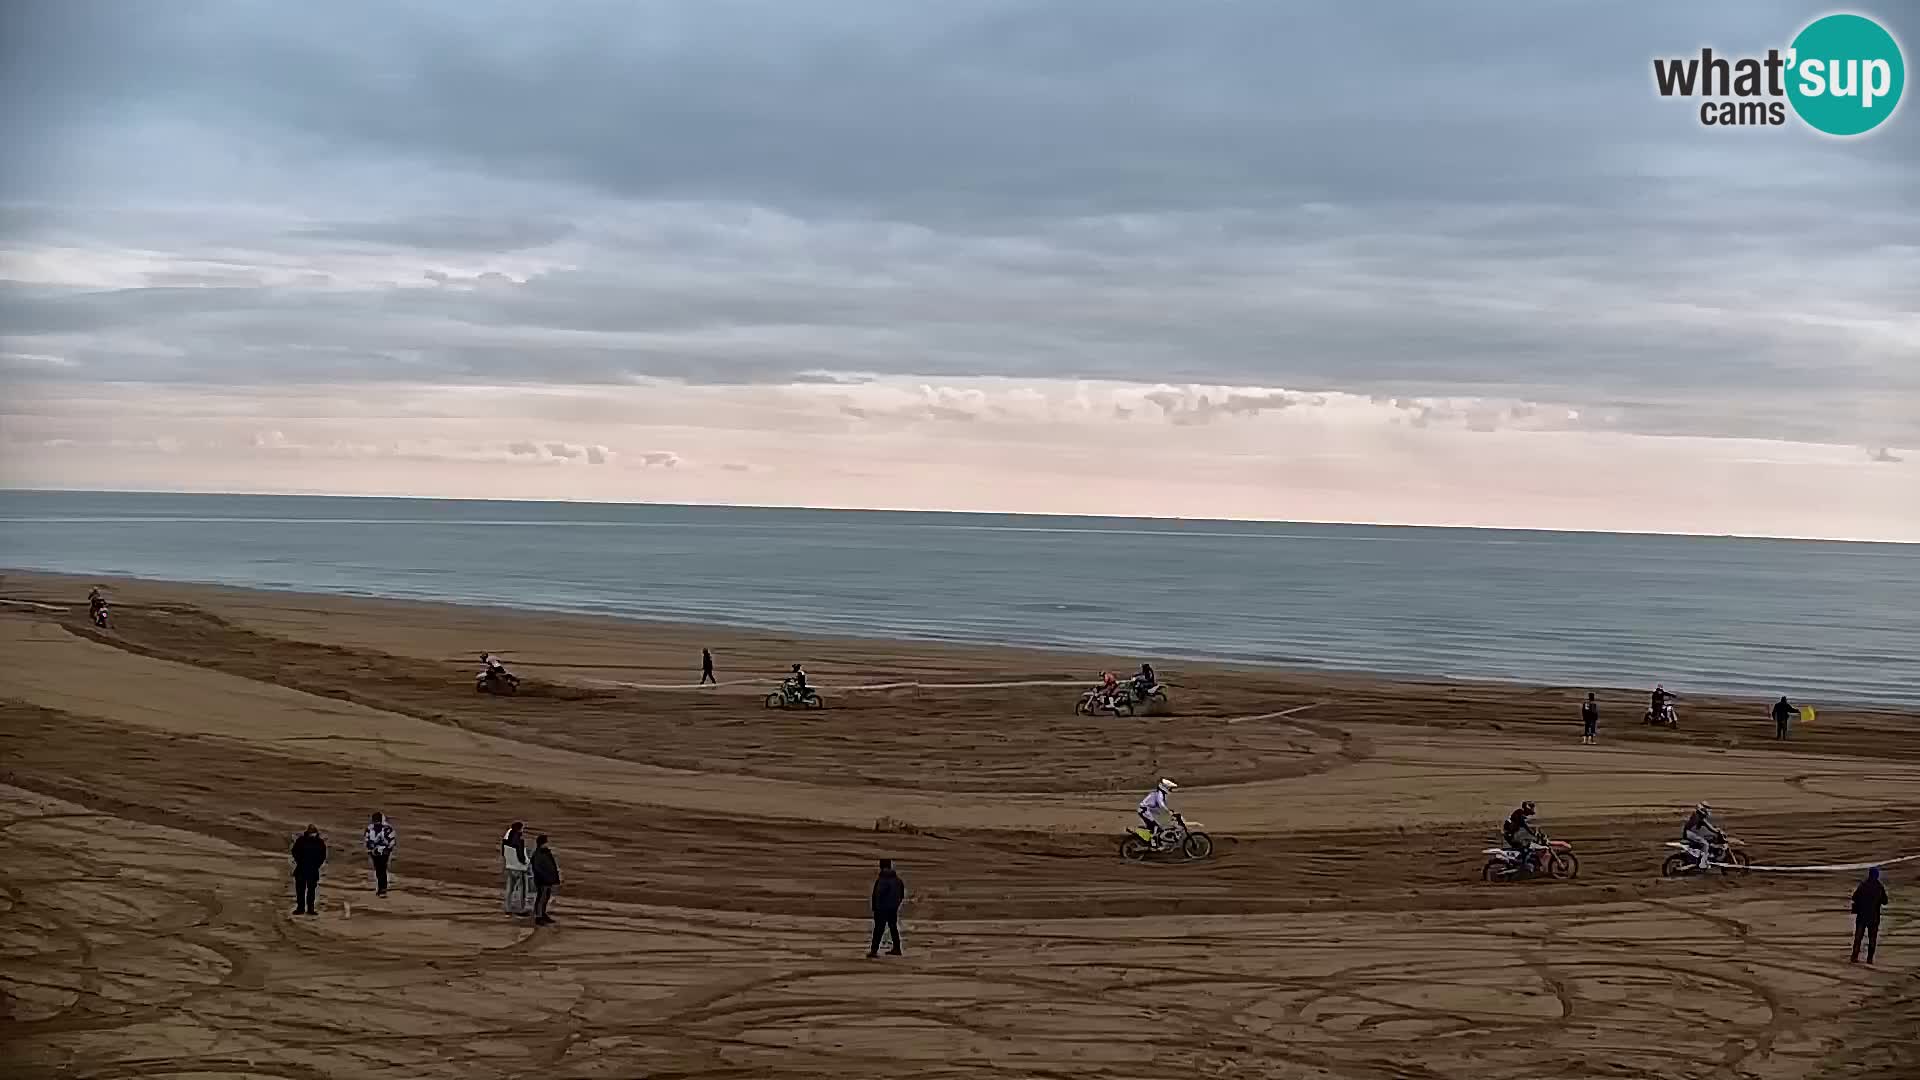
(717, 856)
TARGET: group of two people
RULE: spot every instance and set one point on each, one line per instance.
(309, 854)
(530, 875)
(1703, 836)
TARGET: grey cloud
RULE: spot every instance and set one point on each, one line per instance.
(1432, 201)
(464, 234)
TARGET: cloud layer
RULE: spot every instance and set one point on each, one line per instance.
(1469, 217)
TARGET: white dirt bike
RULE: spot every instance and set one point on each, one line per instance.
(1727, 857)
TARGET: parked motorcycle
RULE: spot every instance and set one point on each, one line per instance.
(1727, 857)
(1183, 837)
(790, 696)
(1554, 858)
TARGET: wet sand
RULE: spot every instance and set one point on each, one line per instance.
(718, 854)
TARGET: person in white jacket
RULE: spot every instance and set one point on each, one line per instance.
(517, 894)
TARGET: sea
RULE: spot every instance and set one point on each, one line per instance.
(1823, 622)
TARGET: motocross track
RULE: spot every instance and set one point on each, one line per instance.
(717, 857)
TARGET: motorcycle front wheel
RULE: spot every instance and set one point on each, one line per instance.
(1564, 865)
(1198, 845)
(1737, 863)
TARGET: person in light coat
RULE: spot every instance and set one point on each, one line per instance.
(517, 893)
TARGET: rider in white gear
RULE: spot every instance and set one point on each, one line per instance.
(1154, 809)
(1702, 833)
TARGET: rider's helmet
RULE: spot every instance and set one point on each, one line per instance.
(1704, 810)
(796, 667)
(1526, 808)
(1166, 784)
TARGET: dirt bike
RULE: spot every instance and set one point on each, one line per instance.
(496, 682)
(1665, 718)
(790, 696)
(1147, 695)
(1099, 699)
(1551, 858)
(101, 617)
(1141, 843)
(1726, 856)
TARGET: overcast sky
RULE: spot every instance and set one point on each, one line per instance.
(1447, 263)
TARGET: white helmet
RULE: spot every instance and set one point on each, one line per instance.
(1167, 785)
(1704, 808)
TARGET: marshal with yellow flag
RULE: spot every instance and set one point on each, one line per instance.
(1806, 714)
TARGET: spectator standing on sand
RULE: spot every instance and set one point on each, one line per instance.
(309, 853)
(1589, 720)
(380, 841)
(516, 894)
(546, 878)
(1868, 899)
(1783, 711)
(889, 892)
(706, 668)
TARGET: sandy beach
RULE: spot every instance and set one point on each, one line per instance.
(718, 855)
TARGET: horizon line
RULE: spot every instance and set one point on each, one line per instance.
(958, 513)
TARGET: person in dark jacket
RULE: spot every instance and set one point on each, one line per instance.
(706, 668)
(309, 855)
(546, 878)
(889, 892)
(1783, 711)
(1868, 899)
(1589, 720)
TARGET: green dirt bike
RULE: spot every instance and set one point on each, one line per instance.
(790, 696)
(1183, 838)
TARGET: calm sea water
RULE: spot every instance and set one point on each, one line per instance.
(1824, 621)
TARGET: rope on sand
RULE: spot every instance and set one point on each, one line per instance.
(1826, 867)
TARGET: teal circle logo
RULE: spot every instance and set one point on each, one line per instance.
(1847, 74)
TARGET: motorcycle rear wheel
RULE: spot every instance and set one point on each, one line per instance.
(1134, 849)
(1197, 845)
(816, 702)
(1676, 865)
(1123, 708)
(1493, 871)
(775, 701)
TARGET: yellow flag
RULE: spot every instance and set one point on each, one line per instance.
(1806, 714)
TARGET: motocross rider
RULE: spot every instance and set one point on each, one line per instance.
(1520, 834)
(1702, 834)
(1660, 697)
(1154, 809)
(798, 680)
(494, 668)
(1144, 682)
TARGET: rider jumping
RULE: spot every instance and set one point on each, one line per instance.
(1520, 834)
(1154, 809)
(1700, 832)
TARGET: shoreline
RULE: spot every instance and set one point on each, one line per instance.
(1071, 665)
(1544, 530)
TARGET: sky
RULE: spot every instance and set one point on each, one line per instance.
(1421, 263)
